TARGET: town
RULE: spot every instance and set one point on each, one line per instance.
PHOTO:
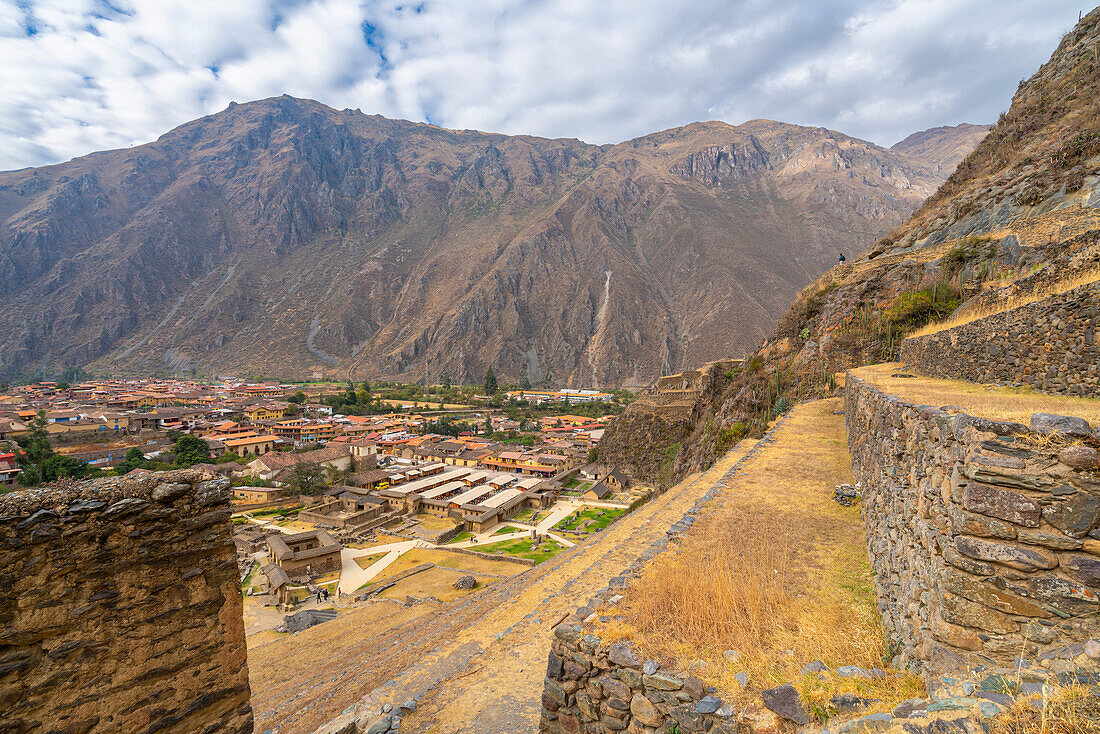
(421, 497)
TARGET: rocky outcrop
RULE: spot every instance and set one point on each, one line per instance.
(122, 608)
(1050, 345)
(986, 544)
(285, 238)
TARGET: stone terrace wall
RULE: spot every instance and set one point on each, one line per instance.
(1050, 345)
(985, 545)
(594, 686)
(121, 608)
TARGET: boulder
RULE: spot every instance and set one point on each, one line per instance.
(786, 703)
(1049, 423)
(466, 583)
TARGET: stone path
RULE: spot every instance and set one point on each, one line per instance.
(475, 665)
(352, 576)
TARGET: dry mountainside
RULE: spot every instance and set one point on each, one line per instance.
(1017, 222)
(285, 238)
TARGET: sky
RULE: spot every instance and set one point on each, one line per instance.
(83, 75)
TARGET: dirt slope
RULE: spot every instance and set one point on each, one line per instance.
(480, 661)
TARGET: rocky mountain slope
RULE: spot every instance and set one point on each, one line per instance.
(1020, 215)
(942, 148)
(285, 238)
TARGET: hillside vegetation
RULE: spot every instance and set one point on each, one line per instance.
(1018, 220)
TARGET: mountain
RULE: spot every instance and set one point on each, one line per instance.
(1018, 218)
(941, 148)
(285, 238)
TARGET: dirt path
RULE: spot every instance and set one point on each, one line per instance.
(475, 665)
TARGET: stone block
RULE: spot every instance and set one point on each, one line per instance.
(644, 711)
(1080, 457)
(1085, 569)
(1075, 516)
(785, 702)
(963, 612)
(1049, 423)
(1013, 556)
(992, 595)
(955, 635)
(1048, 540)
(1000, 503)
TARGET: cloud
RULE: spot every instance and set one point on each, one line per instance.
(84, 75)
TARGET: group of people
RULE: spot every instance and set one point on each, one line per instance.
(322, 594)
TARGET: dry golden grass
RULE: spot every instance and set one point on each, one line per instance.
(430, 522)
(366, 561)
(775, 570)
(990, 309)
(447, 559)
(1065, 710)
(986, 401)
(437, 582)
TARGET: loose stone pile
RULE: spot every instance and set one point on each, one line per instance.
(846, 494)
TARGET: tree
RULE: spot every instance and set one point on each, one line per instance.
(365, 386)
(307, 478)
(35, 446)
(39, 462)
(490, 382)
(291, 410)
(63, 386)
(298, 397)
(134, 459)
(447, 381)
(191, 450)
(524, 384)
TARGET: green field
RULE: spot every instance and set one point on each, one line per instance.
(507, 529)
(537, 552)
(464, 535)
(592, 514)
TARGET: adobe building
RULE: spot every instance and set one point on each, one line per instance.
(312, 553)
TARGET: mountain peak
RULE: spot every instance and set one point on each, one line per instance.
(286, 238)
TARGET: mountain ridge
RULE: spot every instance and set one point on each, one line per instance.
(284, 238)
(1019, 217)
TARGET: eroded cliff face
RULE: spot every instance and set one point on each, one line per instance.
(122, 608)
(285, 238)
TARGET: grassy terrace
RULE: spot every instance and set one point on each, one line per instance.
(537, 552)
(597, 519)
(773, 565)
(987, 401)
(1007, 304)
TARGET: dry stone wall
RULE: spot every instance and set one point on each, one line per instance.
(121, 608)
(598, 686)
(985, 541)
(1050, 345)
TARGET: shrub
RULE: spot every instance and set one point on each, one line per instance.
(916, 308)
(968, 250)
